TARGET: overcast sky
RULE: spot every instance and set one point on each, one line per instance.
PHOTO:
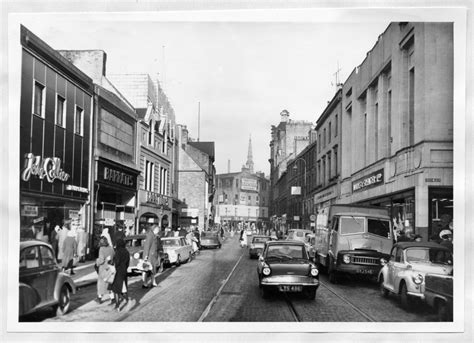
(242, 73)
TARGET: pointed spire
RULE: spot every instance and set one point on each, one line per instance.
(249, 156)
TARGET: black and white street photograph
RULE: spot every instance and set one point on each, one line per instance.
(239, 170)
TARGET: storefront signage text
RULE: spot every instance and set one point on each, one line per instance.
(156, 198)
(77, 189)
(249, 184)
(49, 167)
(369, 181)
(119, 177)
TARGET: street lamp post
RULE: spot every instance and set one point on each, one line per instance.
(303, 193)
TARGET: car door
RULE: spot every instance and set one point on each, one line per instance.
(49, 271)
(30, 275)
(185, 248)
(398, 266)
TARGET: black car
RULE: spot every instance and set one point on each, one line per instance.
(285, 266)
(42, 284)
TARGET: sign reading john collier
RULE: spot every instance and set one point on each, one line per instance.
(374, 179)
(114, 175)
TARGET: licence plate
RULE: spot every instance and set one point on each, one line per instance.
(290, 288)
(365, 271)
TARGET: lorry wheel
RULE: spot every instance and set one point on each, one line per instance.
(332, 272)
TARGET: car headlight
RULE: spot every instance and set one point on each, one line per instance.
(314, 271)
(136, 256)
(346, 259)
(418, 279)
(266, 271)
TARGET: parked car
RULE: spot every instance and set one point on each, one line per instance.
(439, 295)
(42, 284)
(176, 250)
(134, 245)
(285, 266)
(257, 245)
(210, 239)
(311, 245)
(298, 234)
(404, 273)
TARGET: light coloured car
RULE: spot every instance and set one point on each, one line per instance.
(257, 245)
(404, 274)
(284, 266)
(210, 239)
(298, 235)
(42, 284)
(310, 243)
(137, 265)
(176, 250)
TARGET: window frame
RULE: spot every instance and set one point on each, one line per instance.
(63, 115)
(81, 124)
(43, 99)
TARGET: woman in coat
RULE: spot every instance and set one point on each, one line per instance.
(152, 253)
(69, 251)
(121, 262)
(106, 254)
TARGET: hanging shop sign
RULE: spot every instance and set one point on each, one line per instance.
(372, 180)
(49, 168)
(114, 175)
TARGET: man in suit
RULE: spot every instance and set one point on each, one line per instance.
(152, 253)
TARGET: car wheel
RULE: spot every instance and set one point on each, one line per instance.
(383, 290)
(178, 261)
(263, 292)
(442, 311)
(190, 258)
(404, 297)
(64, 301)
(311, 293)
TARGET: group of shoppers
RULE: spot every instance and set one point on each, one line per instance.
(111, 266)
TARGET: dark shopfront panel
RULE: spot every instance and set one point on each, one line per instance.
(440, 210)
(401, 206)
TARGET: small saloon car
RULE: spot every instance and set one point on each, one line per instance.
(210, 239)
(404, 274)
(42, 284)
(285, 266)
(257, 245)
(176, 250)
(137, 265)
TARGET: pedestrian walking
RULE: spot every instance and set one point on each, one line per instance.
(106, 255)
(152, 253)
(54, 240)
(62, 234)
(69, 251)
(121, 262)
(81, 243)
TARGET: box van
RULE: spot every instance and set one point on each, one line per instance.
(352, 239)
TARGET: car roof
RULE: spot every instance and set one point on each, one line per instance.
(404, 245)
(285, 242)
(29, 242)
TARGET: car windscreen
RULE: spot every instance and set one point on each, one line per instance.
(260, 239)
(209, 234)
(286, 250)
(170, 242)
(351, 225)
(379, 227)
(428, 255)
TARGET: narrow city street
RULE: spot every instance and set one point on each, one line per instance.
(221, 286)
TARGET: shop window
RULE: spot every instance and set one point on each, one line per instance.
(78, 121)
(60, 111)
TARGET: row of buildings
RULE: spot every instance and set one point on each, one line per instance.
(103, 150)
(384, 139)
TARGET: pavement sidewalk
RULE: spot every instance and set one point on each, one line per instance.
(85, 274)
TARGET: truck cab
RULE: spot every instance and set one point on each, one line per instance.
(352, 239)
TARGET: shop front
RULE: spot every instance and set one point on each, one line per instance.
(116, 189)
(154, 209)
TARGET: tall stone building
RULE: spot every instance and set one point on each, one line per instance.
(288, 139)
(243, 196)
(397, 127)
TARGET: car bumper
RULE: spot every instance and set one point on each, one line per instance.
(355, 269)
(287, 280)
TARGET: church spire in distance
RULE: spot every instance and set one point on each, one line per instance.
(249, 156)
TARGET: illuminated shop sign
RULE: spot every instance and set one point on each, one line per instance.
(49, 168)
(372, 180)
